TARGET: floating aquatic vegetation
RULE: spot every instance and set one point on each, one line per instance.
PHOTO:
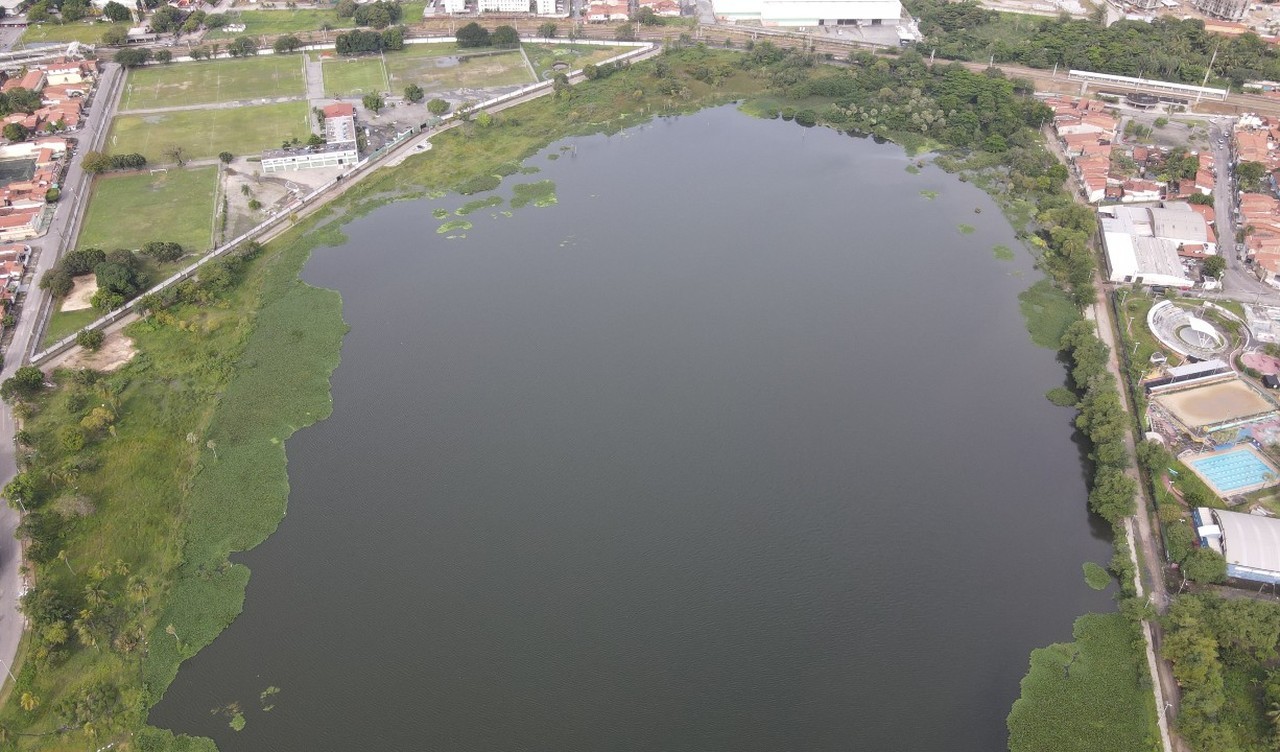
(540, 194)
(456, 224)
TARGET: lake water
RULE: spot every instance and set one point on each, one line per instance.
(740, 446)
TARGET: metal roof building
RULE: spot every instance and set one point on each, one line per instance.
(1249, 542)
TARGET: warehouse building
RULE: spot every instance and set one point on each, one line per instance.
(1250, 543)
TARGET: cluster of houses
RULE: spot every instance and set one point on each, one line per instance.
(1254, 140)
(602, 11)
(32, 165)
(1111, 172)
(62, 85)
(13, 265)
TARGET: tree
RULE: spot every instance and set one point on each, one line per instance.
(57, 281)
(285, 44)
(547, 30)
(163, 56)
(1202, 199)
(117, 279)
(90, 339)
(176, 153)
(39, 13)
(242, 47)
(25, 382)
(81, 261)
(505, 36)
(116, 36)
(29, 702)
(132, 57)
(1214, 266)
(1205, 565)
(438, 107)
(473, 35)
(560, 85)
(166, 19)
(1252, 176)
(15, 132)
(73, 10)
(345, 8)
(625, 33)
(414, 93)
(225, 157)
(373, 103)
(647, 17)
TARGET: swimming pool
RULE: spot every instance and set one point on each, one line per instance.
(1235, 470)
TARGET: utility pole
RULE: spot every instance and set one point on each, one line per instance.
(1207, 71)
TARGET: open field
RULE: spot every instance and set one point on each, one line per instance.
(213, 81)
(348, 76)
(301, 21)
(87, 33)
(543, 56)
(126, 211)
(436, 72)
(62, 323)
(205, 133)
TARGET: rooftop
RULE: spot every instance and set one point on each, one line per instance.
(1248, 540)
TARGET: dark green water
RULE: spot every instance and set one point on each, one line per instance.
(741, 446)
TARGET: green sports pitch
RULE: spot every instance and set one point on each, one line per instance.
(204, 134)
(213, 81)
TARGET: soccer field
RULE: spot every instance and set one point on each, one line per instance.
(213, 81)
(425, 66)
(205, 133)
(126, 211)
(345, 77)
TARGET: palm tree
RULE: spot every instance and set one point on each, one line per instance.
(1273, 715)
(95, 593)
(29, 702)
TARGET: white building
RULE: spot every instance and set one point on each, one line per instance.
(1250, 543)
(504, 6)
(546, 8)
(309, 157)
(811, 12)
(1142, 243)
(453, 6)
(339, 150)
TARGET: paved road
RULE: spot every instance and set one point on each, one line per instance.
(63, 227)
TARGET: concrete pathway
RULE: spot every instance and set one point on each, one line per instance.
(313, 72)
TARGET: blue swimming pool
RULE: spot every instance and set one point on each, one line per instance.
(1234, 470)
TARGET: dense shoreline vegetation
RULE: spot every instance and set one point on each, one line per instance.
(192, 430)
(1167, 48)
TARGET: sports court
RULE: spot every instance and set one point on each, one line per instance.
(1233, 471)
(209, 81)
(1215, 404)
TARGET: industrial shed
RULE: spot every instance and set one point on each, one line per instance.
(1249, 542)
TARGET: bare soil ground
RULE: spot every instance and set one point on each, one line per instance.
(116, 350)
(78, 299)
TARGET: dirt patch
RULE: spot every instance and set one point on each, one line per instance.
(1216, 403)
(116, 350)
(83, 289)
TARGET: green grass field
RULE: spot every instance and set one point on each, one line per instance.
(435, 70)
(205, 133)
(62, 323)
(348, 76)
(86, 33)
(126, 211)
(543, 56)
(302, 21)
(213, 81)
